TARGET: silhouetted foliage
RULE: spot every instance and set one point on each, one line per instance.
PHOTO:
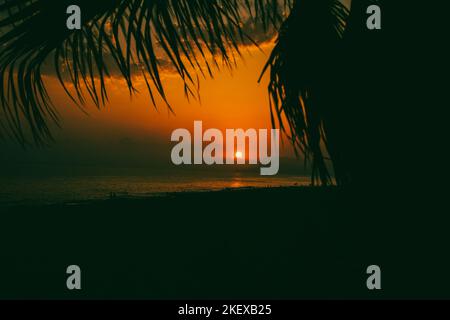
(307, 64)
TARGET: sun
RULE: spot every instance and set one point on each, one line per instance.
(239, 155)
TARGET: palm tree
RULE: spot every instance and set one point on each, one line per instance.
(129, 31)
(306, 65)
(303, 71)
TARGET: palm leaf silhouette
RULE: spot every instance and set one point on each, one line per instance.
(193, 34)
(303, 59)
(189, 32)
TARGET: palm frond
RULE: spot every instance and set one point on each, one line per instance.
(300, 67)
(190, 33)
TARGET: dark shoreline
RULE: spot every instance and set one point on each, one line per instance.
(275, 243)
(128, 197)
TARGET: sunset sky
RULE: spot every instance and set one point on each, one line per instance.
(130, 129)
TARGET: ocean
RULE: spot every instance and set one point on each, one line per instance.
(65, 188)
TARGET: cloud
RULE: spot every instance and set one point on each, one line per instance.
(254, 33)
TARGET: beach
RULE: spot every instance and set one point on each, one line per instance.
(262, 243)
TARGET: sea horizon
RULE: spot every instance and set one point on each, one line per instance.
(76, 184)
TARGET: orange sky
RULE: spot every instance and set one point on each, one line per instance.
(129, 129)
(233, 99)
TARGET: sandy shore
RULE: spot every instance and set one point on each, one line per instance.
(296, 242)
